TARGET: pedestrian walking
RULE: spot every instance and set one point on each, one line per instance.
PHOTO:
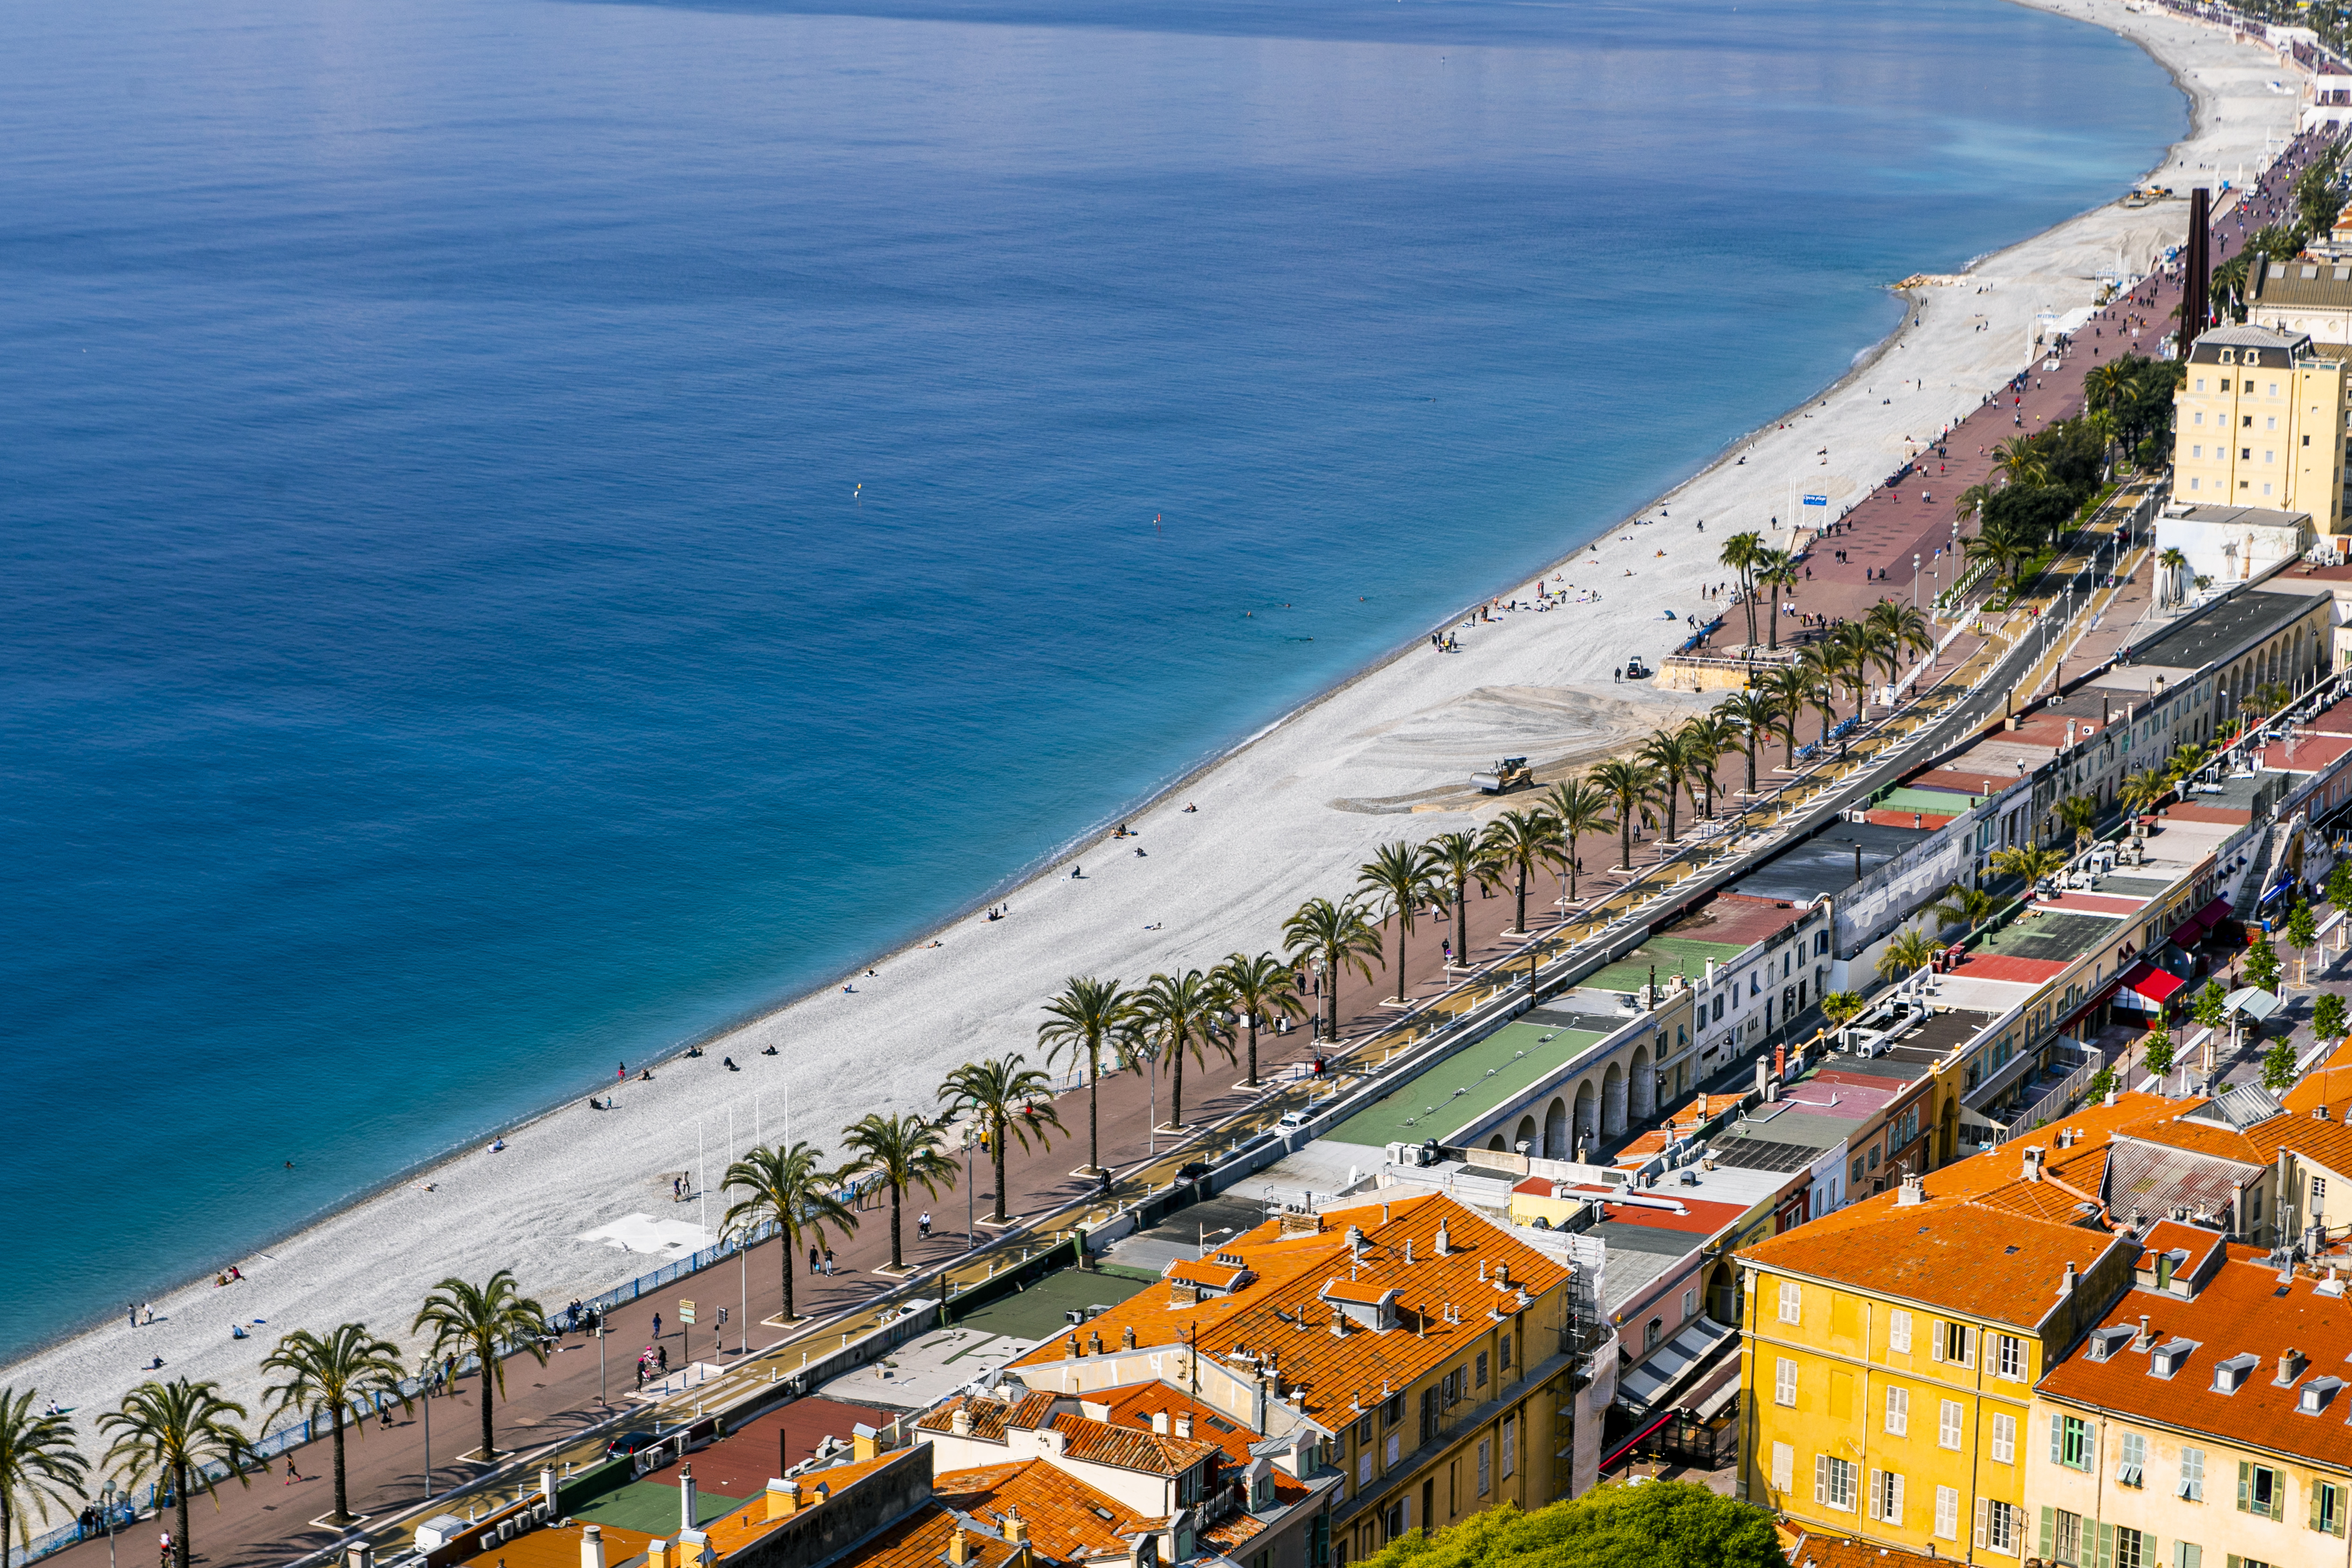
(816, 1261)
(923, 1225)
(165, 1546)
(828, 1260)
(657, 1325)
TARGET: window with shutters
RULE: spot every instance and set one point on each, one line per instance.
(1791, 1301)
(1510, 1448)
(1947, 1424)
(2131, 1549)
(2009, 1361)
(2062, 1537)
(2070, 1442)
(2327, 1508)
(1834, 1481)
(1784, 1466)
(1887, 1497)
(2004, 1439)
(1948, 1514)
(1481, 1378)
(1485, 1466)
(2187, 1555)
(1898, 1330)
(1957, 1343)
(1363, 1469)
(2260, 1490)
(2190, 1487)
(1784, 1382)
(1396, 1448)
(2133, 1465)
(1898, 1412)
(1997, 1526)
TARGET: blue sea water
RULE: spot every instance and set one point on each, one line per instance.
(448, 647)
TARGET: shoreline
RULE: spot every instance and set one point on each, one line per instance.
(1031, 881)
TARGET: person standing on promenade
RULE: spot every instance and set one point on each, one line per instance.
(657, 1325)
(816, 1261)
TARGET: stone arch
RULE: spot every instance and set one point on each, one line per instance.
(1530, 1135)
(1556, 1140)
(1723, 1294)
(1948, 1136)
(1496, 1146)
(1644, 1086)
(1587, 1115)
(1612, 1101)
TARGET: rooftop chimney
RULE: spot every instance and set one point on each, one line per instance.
(2066, 1283)
(2142, 1342)
(686, 1497)
(1127, 1338)
(2033, 1154)
(2290, 1367)
(1444, 1243)
(784, 1496)
(1159, 1423)
(1015, 1528)
(960, 1421)
(959, 1547)
(1502, 1274)
(1184, 1423)
(1911, 1192)
(592, 1547)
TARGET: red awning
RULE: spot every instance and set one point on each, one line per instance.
(2146, 980)
(2199, 926)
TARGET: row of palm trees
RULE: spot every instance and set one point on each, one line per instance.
(174, 1434)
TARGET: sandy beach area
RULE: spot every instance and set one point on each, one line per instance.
(579, 1200)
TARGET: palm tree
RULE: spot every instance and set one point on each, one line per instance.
(2174, 564)
(39, 1464)
(1576, 806)
(1776, 570)
(1668, 754)
(2183, 764)
(1011, 1100)
(1712, 736)
(1259, 988)
(1970, 502)
(2006, 548)
(1845, 660)
(1630, 786)
(1740, 553)
(1755, 713)
(1090, 1017)
(1789, 690)
(2081, 815)
(905, 1152)
(1822, 665)
(2105, 382)
(331, 1374)
(477, 1318)
(1179, 1015)
(1400, 872)
(2020, 462)
(1965, 906)
(2142, 790)
(1458, 860)
(1519, 841)
(793, 1188)
(1908, 953)
(176, 1429)
(1338, 937)
(2032, 863)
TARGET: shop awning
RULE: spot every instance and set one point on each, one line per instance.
(2200, 926)
(1671, 1365)
(2152, 986)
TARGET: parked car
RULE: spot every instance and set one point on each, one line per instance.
(624, 1444)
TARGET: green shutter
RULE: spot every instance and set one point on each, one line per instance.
(2318, 1494)
(2245, 1490)
(2106, 1546)
(2054, 1450)
(2278, 1495)
(2045, 1535)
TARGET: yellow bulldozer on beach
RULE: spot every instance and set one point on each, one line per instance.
(1510, 774)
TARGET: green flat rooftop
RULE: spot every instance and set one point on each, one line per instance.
(1502, 1064)
(652, 1507)
(2054, 936)
(1931, 802)
(1036, 1313)
(1672, 955)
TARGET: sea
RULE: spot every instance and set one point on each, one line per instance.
(536, 529)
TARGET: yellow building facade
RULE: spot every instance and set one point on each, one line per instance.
(1889, 1354)
(2261, 420)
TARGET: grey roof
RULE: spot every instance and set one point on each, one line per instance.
(2153, 1179)
(1593, 1023)
(1627, 1273)
(1794, 1126)
(1824, 863)
(2208, 349)
(2132, 886)
(1655, 1239)
(1761, 1154)
(2289, 284)
(2244, 1106)
(2227, 627)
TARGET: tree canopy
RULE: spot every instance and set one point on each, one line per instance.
(1653, 1524)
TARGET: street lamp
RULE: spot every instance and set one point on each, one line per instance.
(599, 1332)
(971, 1214)
(1915, 579)
(106, 1501)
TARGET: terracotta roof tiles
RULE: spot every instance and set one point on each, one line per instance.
(1068, 1518)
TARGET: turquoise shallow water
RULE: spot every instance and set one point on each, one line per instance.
(447, 649)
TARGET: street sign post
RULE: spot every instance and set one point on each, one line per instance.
(685, 1321)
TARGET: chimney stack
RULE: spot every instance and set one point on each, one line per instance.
(686, 1497)
(2033, 1154)
(592, 1547)
(1159, 1423)
(2143, 1341)
(1184, 1423)
(1015, 1528)
(1444, 1244)
(959, 1547)
(2066, 1283)
(2290, 1367)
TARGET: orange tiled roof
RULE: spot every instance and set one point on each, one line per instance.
(2240, 1310)
(1983, 1242)
(1230, 1534)
(730, 1532)
(1136, 1404)
(1844, 1551)
(988, 1417)
(1280, 1313)
(1083, 1438)
(920, 1541)
(1068, 1518)
(2328, 1142)
(558, 1546)
(1207, 1272)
